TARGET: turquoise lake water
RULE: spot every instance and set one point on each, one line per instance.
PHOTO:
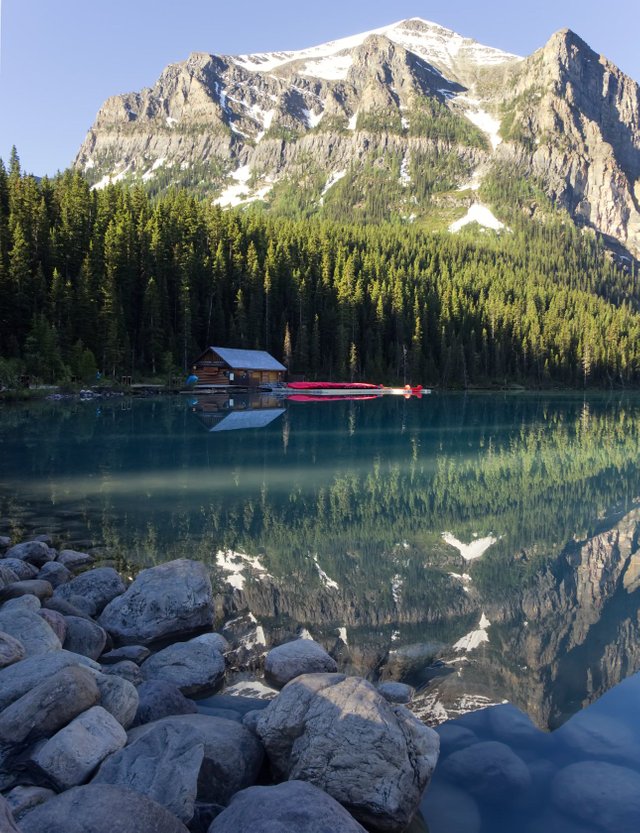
(481, 547)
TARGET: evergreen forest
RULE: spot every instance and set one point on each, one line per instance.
(128, 283)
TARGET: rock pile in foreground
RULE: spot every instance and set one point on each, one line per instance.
(99, 729)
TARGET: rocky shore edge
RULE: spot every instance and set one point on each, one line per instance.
(114, 714)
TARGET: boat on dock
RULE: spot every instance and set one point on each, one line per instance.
(340, 390)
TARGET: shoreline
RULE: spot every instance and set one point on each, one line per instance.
(136, 667)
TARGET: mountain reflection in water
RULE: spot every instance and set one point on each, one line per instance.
(481, 547)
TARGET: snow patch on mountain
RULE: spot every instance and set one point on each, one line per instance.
(405, 176)
(313, 119)
(470, 551)
(241, 192)
(335, 177)
(473, 640)
(481, 118)
(482, 215)
(440, 47)
(331, 68)
(329, 583)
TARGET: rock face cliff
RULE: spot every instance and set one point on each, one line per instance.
(405, 121)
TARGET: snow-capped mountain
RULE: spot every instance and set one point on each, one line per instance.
(405, 121)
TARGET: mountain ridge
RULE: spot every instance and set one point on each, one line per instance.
(410, 115)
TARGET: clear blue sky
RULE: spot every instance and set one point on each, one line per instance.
(60, 59)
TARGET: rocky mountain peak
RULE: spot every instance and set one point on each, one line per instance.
(408, 103)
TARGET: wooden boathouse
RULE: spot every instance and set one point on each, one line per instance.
(226, 366)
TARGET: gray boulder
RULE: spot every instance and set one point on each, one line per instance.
(29, 587)
(22, 800)
(84, 637)
(7, 575)
(396, 692)
(233, 756)
(7, 823)
(72, 754)
(601, 794)
(11, 650)
(56, 622)
(21, 569)
(55, 573)
(30, 629)
(302, 656)
(163, 764)
(21, 677)
(66, 608)
(214, 640)
(167, 601)
(101, 808)
(132, 653)
(158, 699)
(5, 542)
(489, 770)
(33, 552)
(119, 697)
(339, 734)
(48, 707)
(292, 807)
(28, 603)
(72, 560)
(195, 668)
(96, 587)
(126, 669)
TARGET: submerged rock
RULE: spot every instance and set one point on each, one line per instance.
(302, 656)
(292, 807)
(170, 600)
(601, 794)
(489, 770)
(339, 734)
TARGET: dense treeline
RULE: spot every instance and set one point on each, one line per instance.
(116, 281)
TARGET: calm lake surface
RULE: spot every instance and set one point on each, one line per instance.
(481, 547)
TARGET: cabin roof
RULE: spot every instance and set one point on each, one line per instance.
(247, 359)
